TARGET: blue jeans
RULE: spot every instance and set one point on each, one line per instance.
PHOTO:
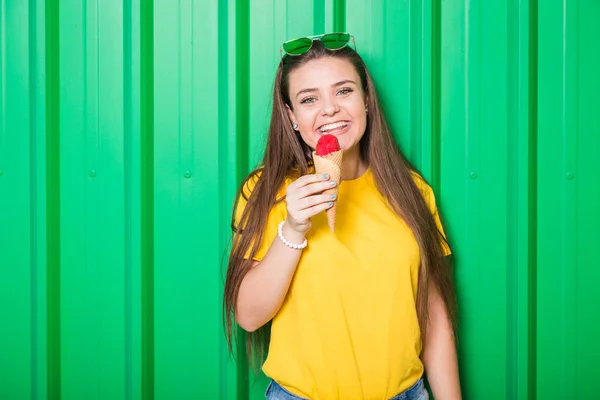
(416, 392)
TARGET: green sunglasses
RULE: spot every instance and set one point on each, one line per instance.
(331, 41)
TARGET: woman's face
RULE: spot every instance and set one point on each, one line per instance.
(327, 98)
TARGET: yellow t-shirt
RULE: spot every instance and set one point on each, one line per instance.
(348, 327)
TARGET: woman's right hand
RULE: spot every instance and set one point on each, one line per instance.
(305, 198)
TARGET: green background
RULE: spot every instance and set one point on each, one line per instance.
(125, 127)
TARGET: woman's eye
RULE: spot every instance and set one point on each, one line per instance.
(345, 91)
(308, 100)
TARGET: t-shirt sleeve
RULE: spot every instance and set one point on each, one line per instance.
(276, 215)
(429, 197)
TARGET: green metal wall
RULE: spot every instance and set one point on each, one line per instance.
(125, 127)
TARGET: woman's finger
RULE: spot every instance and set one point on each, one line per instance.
(314, 188)
(314, 210)
(312, 201)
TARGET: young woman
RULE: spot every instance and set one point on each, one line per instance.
(364, 311)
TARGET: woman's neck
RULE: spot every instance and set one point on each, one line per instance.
(353, 166)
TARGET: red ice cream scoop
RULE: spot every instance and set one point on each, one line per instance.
(327, 144)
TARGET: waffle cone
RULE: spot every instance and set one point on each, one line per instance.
(330, 164)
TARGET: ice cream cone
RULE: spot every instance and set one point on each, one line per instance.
(330, 164)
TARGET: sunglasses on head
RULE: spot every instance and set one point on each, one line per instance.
(331, 41)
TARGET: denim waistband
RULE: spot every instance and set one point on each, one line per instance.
(415, 392)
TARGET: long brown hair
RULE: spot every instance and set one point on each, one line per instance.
(287, 155)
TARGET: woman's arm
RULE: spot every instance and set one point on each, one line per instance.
(264, 287)
(439, 355)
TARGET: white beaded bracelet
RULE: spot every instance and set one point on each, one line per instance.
(288, 243)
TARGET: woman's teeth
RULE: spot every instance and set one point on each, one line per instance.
(335, 125)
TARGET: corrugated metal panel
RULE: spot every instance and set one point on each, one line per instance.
(126, 126)
(23, 216)
(95, 147)
(568, 270)
(192, 192)
(486, 174)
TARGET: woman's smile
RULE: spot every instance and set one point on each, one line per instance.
(334, 128)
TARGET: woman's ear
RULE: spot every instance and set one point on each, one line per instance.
(292, 117)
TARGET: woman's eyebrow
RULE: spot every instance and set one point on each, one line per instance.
(340, 83)
(306, 91)
(345, 81)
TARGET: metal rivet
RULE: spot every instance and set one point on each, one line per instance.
(187, 174)
(93, 173)
(570, 175)
(473, 175)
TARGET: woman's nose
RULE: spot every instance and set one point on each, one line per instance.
(329, 108)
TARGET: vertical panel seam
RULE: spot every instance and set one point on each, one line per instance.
(147, 194)
(3, 67)
(339, 15)
(415, 81)
(53, 197)
(242, 85)
(127, 181)
(532, 195)
(319, 16)
(436, 88)
(242, 19)
(33, 178)
(513, 25)
(224, 161)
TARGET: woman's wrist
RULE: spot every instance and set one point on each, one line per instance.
(292, 236)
